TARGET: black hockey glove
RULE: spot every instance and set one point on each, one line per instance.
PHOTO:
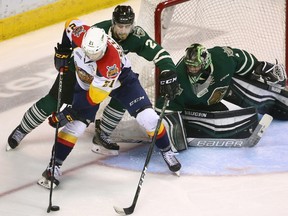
(169, 84)
(62, 57)
(63, 117)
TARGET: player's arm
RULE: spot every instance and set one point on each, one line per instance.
(63, 50)
(151, 50)
(262, 71)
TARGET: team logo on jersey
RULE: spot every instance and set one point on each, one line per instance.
(77, 31)
(112, 71)
(138, 32)
(217, 95)
(228, 51)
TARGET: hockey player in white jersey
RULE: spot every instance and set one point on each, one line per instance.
(103, 70)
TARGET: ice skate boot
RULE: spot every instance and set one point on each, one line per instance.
(46, 179)
(172, 162)
(102, 144)
(15, 138)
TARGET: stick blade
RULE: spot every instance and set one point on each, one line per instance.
(124, 211)
(260, 129)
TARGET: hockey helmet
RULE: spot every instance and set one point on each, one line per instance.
(197, 59)
(123, 14)
(94, 43)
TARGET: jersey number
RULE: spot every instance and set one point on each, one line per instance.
(150, 43)
(108, 83)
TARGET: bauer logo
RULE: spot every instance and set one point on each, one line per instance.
(219, 143)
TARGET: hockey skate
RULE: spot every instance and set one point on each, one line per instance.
(45, 181)
(102, 144)
(172, 162)
(15, 138)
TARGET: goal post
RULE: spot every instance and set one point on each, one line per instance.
(258, 26)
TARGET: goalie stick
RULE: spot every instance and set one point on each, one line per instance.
(234, 143)
(130, 210)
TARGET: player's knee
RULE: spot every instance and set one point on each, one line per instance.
(148, 119)
(74, 129)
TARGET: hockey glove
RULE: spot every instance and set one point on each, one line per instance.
(169, 84)
(271, 74)
(62, 57)
(63, 117)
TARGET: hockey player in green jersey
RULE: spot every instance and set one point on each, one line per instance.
(207, 76)
(133, 39)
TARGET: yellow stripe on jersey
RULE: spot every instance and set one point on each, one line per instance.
(96, 95)
(67, 23)
(161, 130)
(67, 139)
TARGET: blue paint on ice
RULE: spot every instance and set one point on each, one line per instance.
(270, 155)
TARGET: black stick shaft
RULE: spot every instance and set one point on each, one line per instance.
(55, 140)
(130, 210)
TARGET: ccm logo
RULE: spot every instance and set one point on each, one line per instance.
(63, 56)
(136, 100)
(163, 82)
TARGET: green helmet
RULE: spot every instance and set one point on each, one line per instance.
(197, 55)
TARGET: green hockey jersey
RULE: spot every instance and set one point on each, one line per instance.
(214, 82)
(139, 42)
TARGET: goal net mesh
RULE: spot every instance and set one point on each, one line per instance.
(258, 26)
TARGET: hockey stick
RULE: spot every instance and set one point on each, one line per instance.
(130, 210)
(234, 143)
(50, 206)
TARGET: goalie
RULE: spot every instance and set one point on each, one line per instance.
(207, 76)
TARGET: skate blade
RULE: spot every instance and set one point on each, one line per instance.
(177, 173)
(8, 148)
(101, 150)
(45, 183)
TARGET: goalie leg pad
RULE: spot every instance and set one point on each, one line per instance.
(222, 124)
(175, 130)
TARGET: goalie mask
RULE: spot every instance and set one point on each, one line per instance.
(94, 43)
(122, 21)
(197, 60)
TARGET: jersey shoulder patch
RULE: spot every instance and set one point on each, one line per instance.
(78, 33)
(138, 31)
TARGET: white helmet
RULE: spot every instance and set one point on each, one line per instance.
(94, 43)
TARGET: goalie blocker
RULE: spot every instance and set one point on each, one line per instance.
(231, 126)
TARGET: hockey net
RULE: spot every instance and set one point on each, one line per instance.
(258, 26)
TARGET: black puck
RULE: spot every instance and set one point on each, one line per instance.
(55, 208)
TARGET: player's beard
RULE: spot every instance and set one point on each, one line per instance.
(122, 36)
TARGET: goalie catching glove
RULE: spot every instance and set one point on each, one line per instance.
(63, 117)
(169, 84)
(271, 74)
(62, 57)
